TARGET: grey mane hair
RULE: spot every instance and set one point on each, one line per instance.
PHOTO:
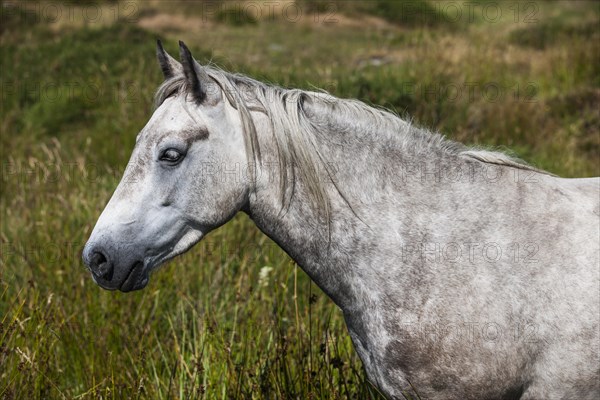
(295, 130)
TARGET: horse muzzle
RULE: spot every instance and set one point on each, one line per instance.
(115, 273)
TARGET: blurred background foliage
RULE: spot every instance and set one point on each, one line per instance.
(234, 317)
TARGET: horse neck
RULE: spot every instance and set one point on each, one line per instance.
(365, 157)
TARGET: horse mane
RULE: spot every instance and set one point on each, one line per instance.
(295, 130)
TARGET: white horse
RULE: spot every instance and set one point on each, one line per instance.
(462, 274)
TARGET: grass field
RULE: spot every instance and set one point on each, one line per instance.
(235, 317)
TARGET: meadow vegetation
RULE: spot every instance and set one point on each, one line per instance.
(235, 317)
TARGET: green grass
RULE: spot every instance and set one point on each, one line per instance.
(210, 325)
(547, 33)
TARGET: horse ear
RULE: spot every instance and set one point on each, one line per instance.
(170, 66)
(198, 80)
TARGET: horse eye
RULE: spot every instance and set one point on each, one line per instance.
(171, 156)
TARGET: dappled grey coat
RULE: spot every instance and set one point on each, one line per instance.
(461, 273)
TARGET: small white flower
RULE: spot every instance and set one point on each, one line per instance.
(263, 276)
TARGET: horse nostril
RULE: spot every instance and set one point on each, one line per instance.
(98, 258)
(101, 267)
